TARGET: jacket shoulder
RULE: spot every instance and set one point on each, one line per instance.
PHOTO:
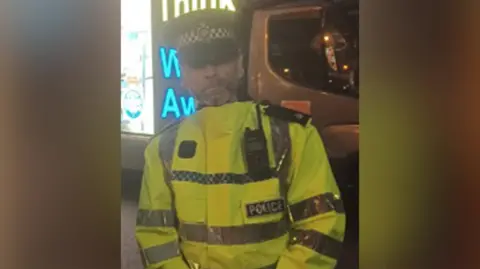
(166, 133)
(152, 145)
(286, 114)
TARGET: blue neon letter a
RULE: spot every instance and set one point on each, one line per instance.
(170, 62)
(170, 104)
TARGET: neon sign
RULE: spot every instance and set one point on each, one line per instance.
(169, 62)
(185, 6)
(172, 104)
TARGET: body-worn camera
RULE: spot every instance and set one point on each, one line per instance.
(256, 152)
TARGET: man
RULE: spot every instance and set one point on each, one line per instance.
(236, 185)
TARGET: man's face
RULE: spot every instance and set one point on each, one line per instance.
(213, 85)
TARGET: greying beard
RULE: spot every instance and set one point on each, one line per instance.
(217, 96)
(218, 99)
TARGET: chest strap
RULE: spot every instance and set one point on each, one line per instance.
(282, 151)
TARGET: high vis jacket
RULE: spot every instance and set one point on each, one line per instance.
(198, 208)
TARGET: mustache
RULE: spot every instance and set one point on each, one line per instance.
(217, 83)
(220, 83)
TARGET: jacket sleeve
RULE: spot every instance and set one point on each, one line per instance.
(155, 229)
(315, 207)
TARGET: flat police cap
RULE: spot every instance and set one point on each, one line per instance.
(202, 37)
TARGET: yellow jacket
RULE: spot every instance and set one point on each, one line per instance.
(199, 209)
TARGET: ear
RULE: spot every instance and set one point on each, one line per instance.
(185, 76)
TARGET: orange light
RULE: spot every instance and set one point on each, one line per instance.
(345, 67)
(132, 80)
(326, 38)
(286, 70)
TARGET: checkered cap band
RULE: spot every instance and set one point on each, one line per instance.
(204, 33)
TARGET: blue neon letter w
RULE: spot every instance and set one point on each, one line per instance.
(169, 62)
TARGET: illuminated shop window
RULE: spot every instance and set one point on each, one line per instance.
(137, 113)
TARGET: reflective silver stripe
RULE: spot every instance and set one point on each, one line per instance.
(234, 235)
(316, 205)
(157, 254)
(212, 179)
(155, 218)
(321, 243)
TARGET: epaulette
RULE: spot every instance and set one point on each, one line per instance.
(287, 114)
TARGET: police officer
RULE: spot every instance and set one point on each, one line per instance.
(237, 185)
